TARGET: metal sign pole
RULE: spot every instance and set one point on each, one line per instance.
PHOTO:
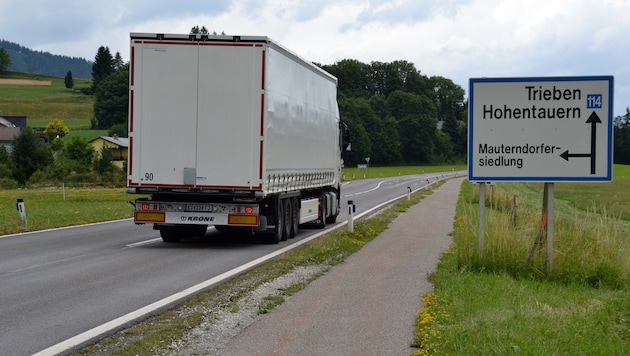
(482, 218)
(550, 187)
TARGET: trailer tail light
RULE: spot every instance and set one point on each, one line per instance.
(146, 206)
(246, 210)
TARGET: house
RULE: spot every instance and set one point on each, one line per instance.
(10, 127)
(118, 145)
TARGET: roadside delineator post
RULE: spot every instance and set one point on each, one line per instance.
(408, 193)
(350, 216)
(22, 211)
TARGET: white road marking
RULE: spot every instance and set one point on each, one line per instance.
(142, 243)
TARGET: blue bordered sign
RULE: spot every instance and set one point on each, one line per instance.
(543, 129)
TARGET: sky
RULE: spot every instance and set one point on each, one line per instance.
(455, 39)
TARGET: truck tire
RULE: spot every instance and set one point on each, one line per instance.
(198, 230)
(295, 217)
(170, 235)
(276, 235)
(287, 216)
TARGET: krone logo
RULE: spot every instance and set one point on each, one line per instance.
(197, 218)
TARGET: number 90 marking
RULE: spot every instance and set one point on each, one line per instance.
(148, 176)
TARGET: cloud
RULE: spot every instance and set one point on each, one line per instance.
(456, 39)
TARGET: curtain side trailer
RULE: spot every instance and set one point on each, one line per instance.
(232, 131)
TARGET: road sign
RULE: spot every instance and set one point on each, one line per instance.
(543, 129)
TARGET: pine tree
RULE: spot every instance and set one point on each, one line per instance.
(118, 62)
(5, 60)
(102, 67)
(68, 80)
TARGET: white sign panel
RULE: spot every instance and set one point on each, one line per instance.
(540, 129)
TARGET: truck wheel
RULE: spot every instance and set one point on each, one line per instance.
(198, 230)
(170, 235)
(286, 217)
(295, 217)
(275, 236)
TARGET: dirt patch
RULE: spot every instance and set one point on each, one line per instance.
(31, 82)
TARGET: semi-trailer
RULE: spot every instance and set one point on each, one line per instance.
(232, 131)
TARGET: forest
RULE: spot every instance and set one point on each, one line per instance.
(37, 62)
(399, 116)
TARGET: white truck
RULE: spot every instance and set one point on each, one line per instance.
(232, 131)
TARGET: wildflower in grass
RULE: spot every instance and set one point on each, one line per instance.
(432, 320)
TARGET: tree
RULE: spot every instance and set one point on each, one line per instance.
(68, 81)
(102, 67)
(79, 150)
(196, 30)
(111, 104)
(361, 146)
(353, 76)
(388, 151)
(56, 129)
(29, 155)
(6, 165)
(417, 126)
(118, 63)
(103, 161)
(621, 154)
(120, 130)
(397, 75)
(450, 105)
(5, 60)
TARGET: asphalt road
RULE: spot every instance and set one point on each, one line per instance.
(60, 283)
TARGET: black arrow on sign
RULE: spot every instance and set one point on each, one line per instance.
(593, 120)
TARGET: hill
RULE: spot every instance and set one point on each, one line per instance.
(37, 62)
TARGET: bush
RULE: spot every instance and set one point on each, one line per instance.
(8, 183)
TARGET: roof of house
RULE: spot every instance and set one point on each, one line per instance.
(7, 134)
(120, 141)
(6, 123)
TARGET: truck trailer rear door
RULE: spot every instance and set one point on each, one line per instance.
(196, 114)
(230, 114)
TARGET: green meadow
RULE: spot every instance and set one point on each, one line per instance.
(43, 103)
(509, 304)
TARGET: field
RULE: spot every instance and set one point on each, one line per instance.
(42, 99)
(27, 82)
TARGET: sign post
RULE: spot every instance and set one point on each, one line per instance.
(541, 129)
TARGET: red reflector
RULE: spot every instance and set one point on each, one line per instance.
(249, 210)
(145, 206)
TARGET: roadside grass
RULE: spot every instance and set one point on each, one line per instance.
(505, 305)
(154, 335)
(354, 173)
(58, 206)
(48, 208)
